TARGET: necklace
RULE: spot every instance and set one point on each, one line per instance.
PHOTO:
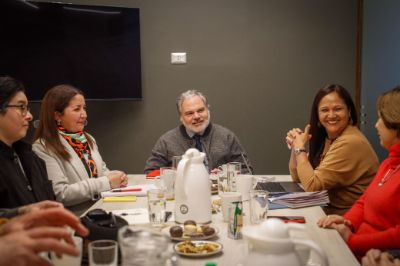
(388, 175)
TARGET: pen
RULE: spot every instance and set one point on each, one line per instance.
(127, 190)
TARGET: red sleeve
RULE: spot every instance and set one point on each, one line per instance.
(388, 239)
(356, 213)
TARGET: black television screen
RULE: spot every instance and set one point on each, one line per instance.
(94, 48)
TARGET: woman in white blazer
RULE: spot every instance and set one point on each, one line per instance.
(72, 158)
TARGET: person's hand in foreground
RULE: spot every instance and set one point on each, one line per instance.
(54, 217)
(375, 257)
(24, 237)
(23, 247)
(46, 204)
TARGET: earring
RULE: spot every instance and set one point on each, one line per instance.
(58, 123)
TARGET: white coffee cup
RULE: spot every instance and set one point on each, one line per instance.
(244, 183)
(67, 260)
(226, 199)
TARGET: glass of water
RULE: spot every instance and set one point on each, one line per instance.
(233, 170)
(167, 177)
(175, 161)
(258, 206)
(156, 206)
(144, 247)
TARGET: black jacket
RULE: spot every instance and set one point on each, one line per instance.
(16, 189)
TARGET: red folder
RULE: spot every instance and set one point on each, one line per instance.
(153, 174)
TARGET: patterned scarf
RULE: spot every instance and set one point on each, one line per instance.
(80, 145)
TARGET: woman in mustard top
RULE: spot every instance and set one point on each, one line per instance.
(340, 159)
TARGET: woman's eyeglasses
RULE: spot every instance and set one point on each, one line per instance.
(23, 107)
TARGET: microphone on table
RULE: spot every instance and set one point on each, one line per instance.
(246, 163)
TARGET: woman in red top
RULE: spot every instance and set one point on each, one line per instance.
(374, 220)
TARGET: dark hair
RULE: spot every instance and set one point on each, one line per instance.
(388, 106)
(318, 133)
(8, 88)
(55, 100)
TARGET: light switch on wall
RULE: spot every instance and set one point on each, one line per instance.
(178, 58)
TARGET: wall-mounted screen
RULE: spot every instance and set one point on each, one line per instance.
(95, 48)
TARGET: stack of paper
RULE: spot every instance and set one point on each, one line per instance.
(138, 190)
(302, 199)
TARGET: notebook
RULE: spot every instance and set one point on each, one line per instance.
(142, 192)
(279, 187)
(120, 199)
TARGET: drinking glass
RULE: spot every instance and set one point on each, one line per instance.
(142, 247)
(222, 179)
(175, 161)
(156, 205)
(258, 206)
(167, 177)
(103, 253)
(233, 170)
(226, 200)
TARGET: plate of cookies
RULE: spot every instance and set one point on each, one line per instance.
(191, 231)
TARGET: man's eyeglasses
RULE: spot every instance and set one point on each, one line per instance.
(23, 107)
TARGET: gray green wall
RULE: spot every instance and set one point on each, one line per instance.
(260, 63)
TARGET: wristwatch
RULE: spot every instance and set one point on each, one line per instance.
(297, 151)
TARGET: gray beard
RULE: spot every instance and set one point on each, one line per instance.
(205, 125)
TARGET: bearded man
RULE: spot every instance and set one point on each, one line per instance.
(220, 145)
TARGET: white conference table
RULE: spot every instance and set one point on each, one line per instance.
(236, 250)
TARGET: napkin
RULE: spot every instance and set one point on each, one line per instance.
(134, 216)
(120, 199)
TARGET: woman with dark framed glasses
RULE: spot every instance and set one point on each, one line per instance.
(23, 176)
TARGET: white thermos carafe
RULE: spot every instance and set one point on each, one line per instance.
(192, 189)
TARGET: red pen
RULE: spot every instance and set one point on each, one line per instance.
(127, 190)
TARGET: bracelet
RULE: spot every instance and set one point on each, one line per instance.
(297, 151)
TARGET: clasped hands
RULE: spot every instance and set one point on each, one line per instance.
(342, 225)
(375, 257)
(297, 138)
(117, 179)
